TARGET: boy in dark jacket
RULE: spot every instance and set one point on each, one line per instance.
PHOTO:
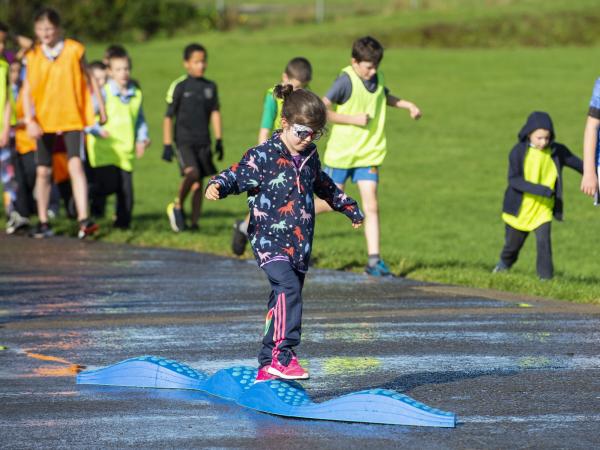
(534, 192)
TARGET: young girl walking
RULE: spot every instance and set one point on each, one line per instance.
(56, 100)
(281, 176)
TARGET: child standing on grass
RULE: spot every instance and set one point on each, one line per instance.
(534, 192)
(113, 147)
(56, 96)
(193, 102)
(298, 74)
(357, 145)
(591, 147)
(281, 176)
(25, 169)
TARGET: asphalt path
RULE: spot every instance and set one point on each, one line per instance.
(519, 372)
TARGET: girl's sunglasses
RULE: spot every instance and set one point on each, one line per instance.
(303, 132)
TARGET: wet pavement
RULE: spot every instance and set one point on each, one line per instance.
(518, 372)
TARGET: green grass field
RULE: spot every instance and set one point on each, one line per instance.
(443, 180)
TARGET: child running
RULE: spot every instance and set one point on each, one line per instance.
(281, 176)
(57, 102)
(534, 192)
(297, 73)
(193, 102)
(113, 147)
(357, 144)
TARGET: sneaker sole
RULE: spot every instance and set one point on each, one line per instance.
(277, 373)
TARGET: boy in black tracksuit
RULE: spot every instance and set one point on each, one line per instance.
(534, 192)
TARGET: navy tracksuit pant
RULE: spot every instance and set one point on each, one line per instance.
(514, 241)
(284, 316)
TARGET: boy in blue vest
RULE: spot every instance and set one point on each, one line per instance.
(357, 143)
(193, 102)
(113, 147)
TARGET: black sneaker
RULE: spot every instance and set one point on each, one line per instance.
(42, 230)
(194, 227)
(239, 240)
(86, 228)
(176, 218)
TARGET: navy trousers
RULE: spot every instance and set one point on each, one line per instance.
(283, 325)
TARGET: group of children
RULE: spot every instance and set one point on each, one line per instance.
(66, 127)
(52, 100)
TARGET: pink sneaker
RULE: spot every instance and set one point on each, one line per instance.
(294, 371)
(263, 375)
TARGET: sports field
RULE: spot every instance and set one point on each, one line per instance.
(444, 177)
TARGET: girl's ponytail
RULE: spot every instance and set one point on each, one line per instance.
(283, 91)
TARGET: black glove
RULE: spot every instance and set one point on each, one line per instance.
(219, 149)
(168, 152)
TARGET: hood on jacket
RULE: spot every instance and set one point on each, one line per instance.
(536, 120)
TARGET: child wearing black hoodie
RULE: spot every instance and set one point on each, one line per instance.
(534, 192)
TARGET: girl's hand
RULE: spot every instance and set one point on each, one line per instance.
(212, 191)
(589, 184)
(357, 225)
(415, 112)
(361, 120)
(34, 130)
(103, 133)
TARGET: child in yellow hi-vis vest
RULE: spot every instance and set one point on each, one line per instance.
(112, 148)
(357, 144)
(534, 192)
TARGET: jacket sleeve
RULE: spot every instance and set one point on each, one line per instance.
(241, 177)
(516, 178)
(327, 190)
(570, 160)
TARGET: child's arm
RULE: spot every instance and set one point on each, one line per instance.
(268, 118)
(91, 81)
(570, 160)
(359, 120)
(589, 182)
(5, 135)
(173, 97)
(415, 112)
(215, 121)
(241, 177)
(33, 128)
(142, 138)
(326, 189)
(516, 178)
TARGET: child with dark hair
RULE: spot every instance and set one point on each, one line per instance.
(57, 102)
(297, 73)
(357, 145)
(534, 192)
(193, 102)
(113, 147)
(281, 176)
(99, 71)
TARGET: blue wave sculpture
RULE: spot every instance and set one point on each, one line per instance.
(279, 397)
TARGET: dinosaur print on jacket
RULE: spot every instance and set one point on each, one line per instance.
(284, 221)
